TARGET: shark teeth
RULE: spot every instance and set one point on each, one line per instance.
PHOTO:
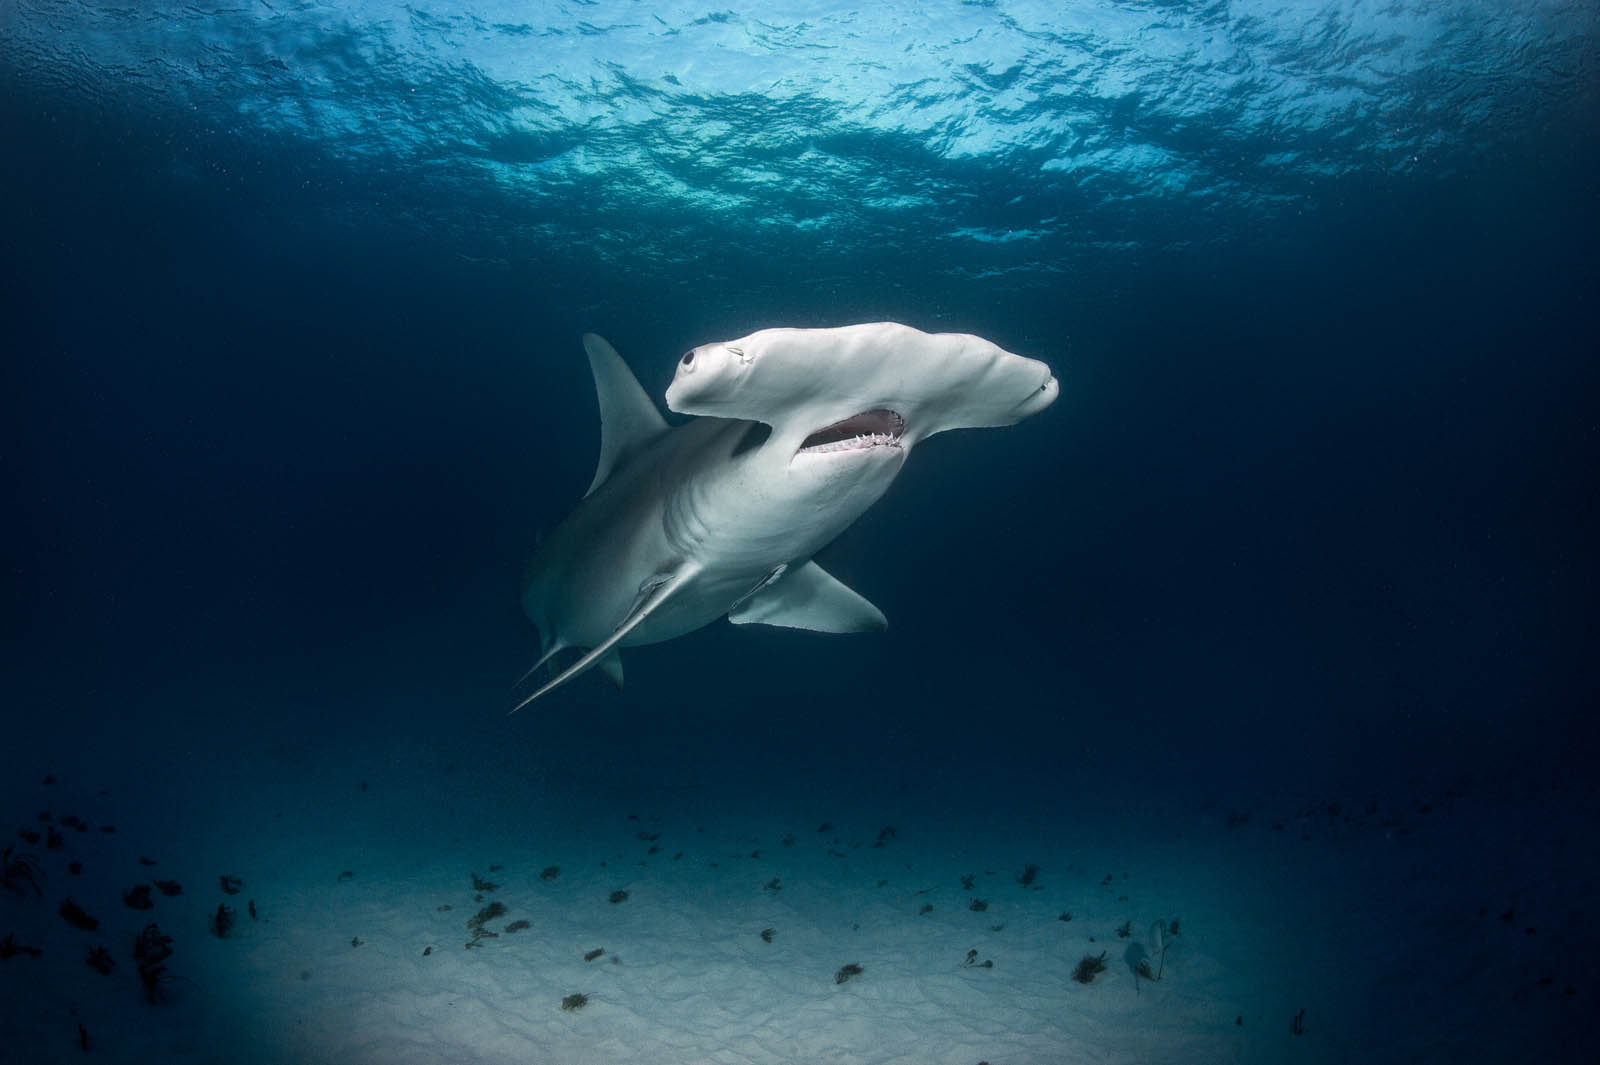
(854, 443)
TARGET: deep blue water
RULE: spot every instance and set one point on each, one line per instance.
(292, 296)
(291, 300)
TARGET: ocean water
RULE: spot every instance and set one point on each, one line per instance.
(1284, 612)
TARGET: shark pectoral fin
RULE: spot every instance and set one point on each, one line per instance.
(611, 666)
(808, 597)
(628, 419)
(651, 596)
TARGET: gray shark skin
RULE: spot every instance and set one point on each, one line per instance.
(796, 433)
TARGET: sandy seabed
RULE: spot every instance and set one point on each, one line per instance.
(1443, 924)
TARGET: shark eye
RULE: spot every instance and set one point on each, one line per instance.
(688, 358)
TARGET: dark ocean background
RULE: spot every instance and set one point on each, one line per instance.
(291, 298)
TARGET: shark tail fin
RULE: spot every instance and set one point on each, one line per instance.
(651, 596)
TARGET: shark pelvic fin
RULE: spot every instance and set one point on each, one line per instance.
(809, 597)
(628, 419)
(652, 594)
(611, 666)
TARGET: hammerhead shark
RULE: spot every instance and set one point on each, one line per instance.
(794, 434)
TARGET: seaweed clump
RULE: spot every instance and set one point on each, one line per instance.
(73, 914)
(597, 952)
(1089, 967)
(618, 896)
(20, 871)
(549, 873)
(230, 884)
(574, 1002)
(222, 920)
(169, 888)
(150, 951)
(10, 948)
(99, 959)
(518, 926)
(475, 923)
(846, 972)
(138, 897)
(1029, 875)
(480, 884)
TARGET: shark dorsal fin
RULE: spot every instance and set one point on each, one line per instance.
(628, 420)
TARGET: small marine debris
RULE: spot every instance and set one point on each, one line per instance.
(1089, 967)
(574, 1002)
(20, 871)
(230, 884)
(445, 908)
(347, 874)
(252, 909)
(978, 905)
(1030, 873)
(10, 948)
(1125, 929)
(618, 896)
(138, 897)
(1298, 1027)
(480, 884)
(972, 961)
(767, 934)
(518, 926)
(150, 950)
(1157, 950)
(222, 920)
(846, 972)
(99, 960)
(73, 914)
(549, 873)
(597, 952)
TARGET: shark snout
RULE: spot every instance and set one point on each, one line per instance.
(1039, 398)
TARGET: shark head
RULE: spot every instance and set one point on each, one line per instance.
(860, 387)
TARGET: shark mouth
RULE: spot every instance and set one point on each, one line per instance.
(869, 429)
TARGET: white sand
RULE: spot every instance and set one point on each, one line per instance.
(1371, 926)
